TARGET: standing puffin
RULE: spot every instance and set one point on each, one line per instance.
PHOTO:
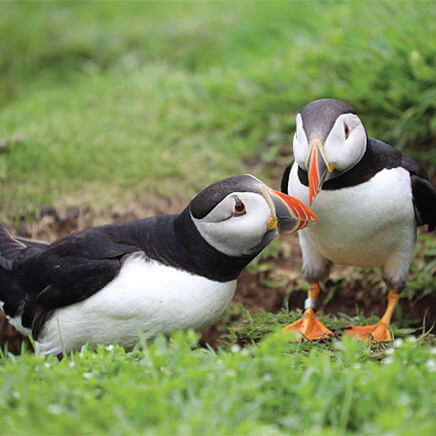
(114, 282)
(369, 199)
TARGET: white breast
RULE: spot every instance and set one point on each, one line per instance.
(364, 225)
(145, 298)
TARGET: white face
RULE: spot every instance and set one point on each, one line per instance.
(344, 146)
(238, 224)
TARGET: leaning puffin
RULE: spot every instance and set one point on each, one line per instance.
(114, 282)
(369, 199)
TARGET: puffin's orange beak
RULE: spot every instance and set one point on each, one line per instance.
(288, 213)
(317, 167)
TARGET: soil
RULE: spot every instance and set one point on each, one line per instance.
(254, 290)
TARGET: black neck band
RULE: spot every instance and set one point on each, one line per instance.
(175, 241)
(371, 163)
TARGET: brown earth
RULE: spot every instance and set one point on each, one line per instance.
(276, 282)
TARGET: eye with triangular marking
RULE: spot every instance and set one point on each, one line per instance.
(239, 208)
(346, 131)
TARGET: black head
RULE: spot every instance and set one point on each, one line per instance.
(207, 199)
(240, 215)
(319, 116)
(329, 140)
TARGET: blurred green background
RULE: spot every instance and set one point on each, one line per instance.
(165, 97)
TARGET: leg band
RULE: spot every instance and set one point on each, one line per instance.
(310, 303)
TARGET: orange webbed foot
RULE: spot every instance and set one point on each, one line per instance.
(377, 332)
(309, 327)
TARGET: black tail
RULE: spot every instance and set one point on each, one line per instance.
(10, 248)
(12, 294)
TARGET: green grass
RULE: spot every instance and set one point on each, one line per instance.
(241, 327)
(150, 98)
(172, 387)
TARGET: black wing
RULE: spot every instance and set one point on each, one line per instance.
(424, 198)
(76, 266)
(412, 166)
(285, 178)
(424, 195)
(73, 268)
(34, 243)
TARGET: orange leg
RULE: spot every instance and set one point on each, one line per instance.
(309, 327)
(379, 331)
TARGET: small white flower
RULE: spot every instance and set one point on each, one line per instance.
(357, 366)
(398, 342)
(235, 348)
(390, 351)
(71, 364)
(267, 378)
(16, 395)
(54, 409)
(87, 375)
(433, 350)
(165, 370)
(411, 339)
(110, 347)
(431, 365)
(47, 365)
(388, 360)
(403, 399)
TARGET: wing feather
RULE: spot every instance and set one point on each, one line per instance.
(424, 197)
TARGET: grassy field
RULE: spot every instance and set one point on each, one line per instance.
(97, 97)
(272, 388)
(108, 103)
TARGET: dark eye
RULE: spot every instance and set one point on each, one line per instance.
(239, 208)
(346, 131)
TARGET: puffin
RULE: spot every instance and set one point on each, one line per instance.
(118, 282)
(369, 198)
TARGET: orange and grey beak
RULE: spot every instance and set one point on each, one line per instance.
(317, 167)
(287, 213)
